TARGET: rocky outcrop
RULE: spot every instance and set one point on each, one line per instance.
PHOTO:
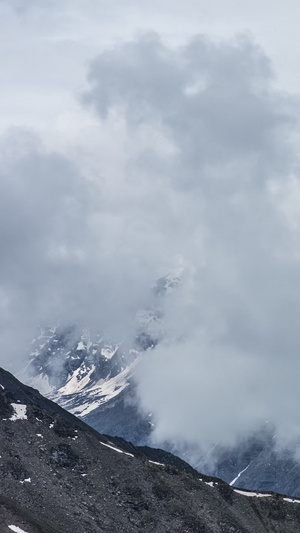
(59, 476)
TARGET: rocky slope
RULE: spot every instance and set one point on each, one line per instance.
(58, 475)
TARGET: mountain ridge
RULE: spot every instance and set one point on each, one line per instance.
(58, 474)
(106, 399)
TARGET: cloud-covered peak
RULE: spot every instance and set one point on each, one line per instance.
(189, 161)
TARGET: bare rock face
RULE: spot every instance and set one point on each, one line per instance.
(59, 476)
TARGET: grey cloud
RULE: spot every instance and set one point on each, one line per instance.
(40, 212)
(192, 164)
(233, 161)
(59, 260)
(215, 101)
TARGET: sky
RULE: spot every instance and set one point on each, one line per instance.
(139, 138)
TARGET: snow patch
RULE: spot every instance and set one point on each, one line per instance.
(27, 480)
(85, 408)
(253, 494)
(91, 396)
(76, 382)
(117, 449)
(291, 500)
(155, 463)
(19, 412)
(80, 346)
(239, 474)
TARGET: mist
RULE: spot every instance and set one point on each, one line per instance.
(182, 157)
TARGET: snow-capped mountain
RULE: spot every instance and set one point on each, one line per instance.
(87, 376)
(79, 372)
(93, 378)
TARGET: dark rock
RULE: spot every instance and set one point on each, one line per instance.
(77, 480)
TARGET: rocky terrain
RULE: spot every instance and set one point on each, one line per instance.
(58, 475)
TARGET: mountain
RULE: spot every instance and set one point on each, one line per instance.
(92, 377)
(58, 475)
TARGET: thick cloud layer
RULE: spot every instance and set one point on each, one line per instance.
(189, 160)
(225, 187)
(66, 254)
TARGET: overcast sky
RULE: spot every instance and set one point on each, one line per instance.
(137, 138)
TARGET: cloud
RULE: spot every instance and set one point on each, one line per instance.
(65, 253)
(188, 160)
(232, 355)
